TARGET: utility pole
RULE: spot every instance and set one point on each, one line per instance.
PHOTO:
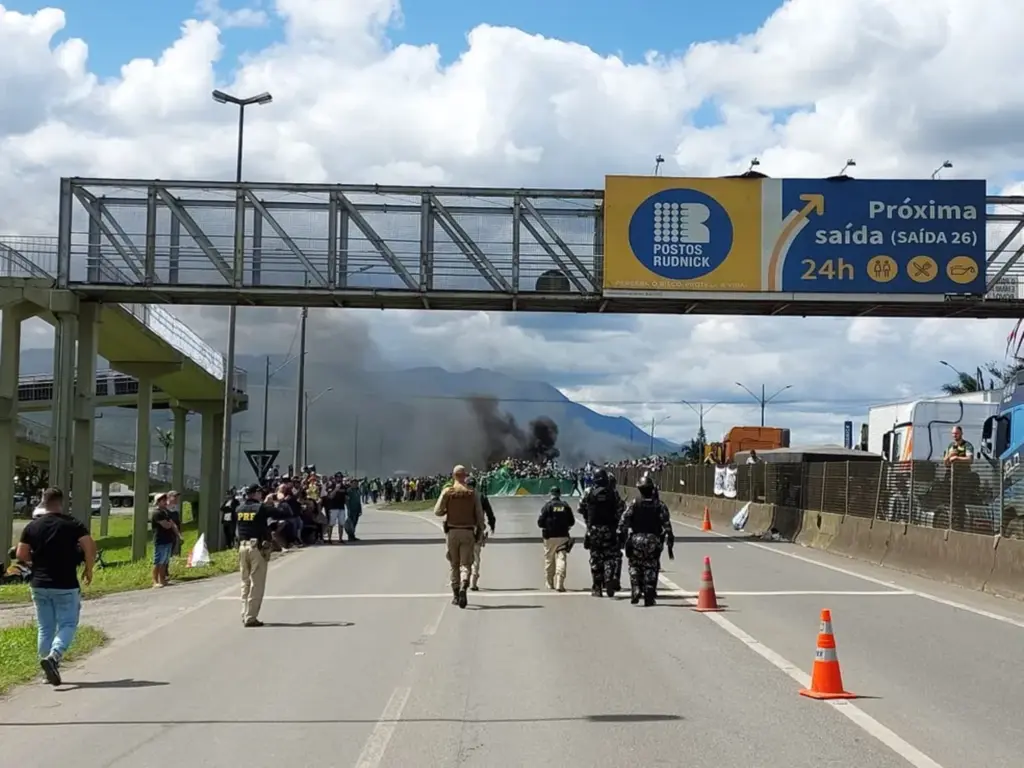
(266, 401)
(380, 455)
(355, 449)
(238, 453)
(300, 392)
(654, 424)
(305, 422)
(762, 400)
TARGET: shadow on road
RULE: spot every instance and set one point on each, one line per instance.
(485, 607)
(439, 539)
(127, 682)
(309, 624)
(597, 719)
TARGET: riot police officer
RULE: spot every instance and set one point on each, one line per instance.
(253, 534)
(644, 530)
(601, 508)
(478, 547)
(555, 522)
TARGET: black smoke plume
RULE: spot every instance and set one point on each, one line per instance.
(506, 439)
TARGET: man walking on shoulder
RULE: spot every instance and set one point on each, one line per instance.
(54, 545)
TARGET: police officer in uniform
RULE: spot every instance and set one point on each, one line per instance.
(478, 549)
(253, 534)
(644, 530)
(460, 506)
(601, 508)
(555, 522)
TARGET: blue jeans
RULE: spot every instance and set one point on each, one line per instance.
(57, 612)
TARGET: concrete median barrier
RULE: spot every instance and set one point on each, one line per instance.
(1007, 577)
(975, 561)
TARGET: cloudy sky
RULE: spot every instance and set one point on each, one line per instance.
(534, 93)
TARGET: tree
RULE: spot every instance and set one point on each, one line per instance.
(693, 451)
(998, 376)
(166, 439)
(30, 479)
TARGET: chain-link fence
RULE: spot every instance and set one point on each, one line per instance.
(971, 498)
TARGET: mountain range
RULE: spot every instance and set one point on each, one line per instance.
(382, 421)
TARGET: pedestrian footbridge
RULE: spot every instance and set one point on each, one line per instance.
(155, 361)
(109, 464)
(113, 390)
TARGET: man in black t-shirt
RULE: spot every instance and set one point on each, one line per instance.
(54, 545)
(165, 537)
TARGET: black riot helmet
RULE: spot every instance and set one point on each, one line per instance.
(556, 492)
(600, 478)
(646, 487)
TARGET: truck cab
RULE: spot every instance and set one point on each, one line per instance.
(1002, 435)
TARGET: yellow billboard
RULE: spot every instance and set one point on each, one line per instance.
(664, 234)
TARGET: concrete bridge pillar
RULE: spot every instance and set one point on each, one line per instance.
(104, 507)
(11, 318)
(84, 411)
(178, 449)
(65, 339)
(143, 441)
(210, 493)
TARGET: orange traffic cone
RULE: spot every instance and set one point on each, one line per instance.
(706, 523)
(707, 600)
(826, 679)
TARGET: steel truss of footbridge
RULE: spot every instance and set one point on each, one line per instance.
(374, 246)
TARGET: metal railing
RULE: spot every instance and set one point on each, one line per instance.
(35, 432)
(971, 498)
(36, 258)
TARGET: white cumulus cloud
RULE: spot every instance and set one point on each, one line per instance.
(899, 85)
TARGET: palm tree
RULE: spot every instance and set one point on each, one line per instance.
(166, 439)
(998, 376)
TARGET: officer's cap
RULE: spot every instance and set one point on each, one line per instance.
(254, 488)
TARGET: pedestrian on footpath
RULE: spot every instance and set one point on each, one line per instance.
(555, 522)
(464, 524)
(54, 545)
(253, 552)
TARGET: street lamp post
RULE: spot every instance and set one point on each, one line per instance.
(267, 376)
(701, 412)
(654, 424)
(762, 400)
(305, 420)
(229, 374)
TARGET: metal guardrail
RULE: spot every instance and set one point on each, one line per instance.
(968, 499)
(36, 257)
(38, 433)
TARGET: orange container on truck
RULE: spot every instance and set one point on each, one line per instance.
(740, 439)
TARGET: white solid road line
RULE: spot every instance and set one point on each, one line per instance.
(377, 743)
(432, 627)
(579, 593)
(859, 717)
(870, 579)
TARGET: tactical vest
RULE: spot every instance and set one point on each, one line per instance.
(603, 508)
(249, 524)
(461, 506)
(646, 517)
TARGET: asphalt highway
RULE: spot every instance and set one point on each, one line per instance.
(364, 662)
